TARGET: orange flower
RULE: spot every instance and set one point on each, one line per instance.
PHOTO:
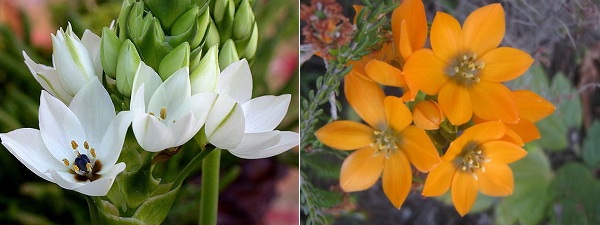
(385, 147)
(532, 108)
(476, 161)
(428, 115)
(466, 66)
(409, 31)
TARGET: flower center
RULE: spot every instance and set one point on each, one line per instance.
(83, 167)
(385, 141)
(162, 116)
(472, 159)
(466, 69)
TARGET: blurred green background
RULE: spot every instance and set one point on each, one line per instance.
(559, 180)
(253, 191)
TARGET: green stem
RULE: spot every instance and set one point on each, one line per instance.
(191, 166)
(209, 197)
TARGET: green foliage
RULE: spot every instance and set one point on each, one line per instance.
(591, 146)
(528, 204)
(577, 194)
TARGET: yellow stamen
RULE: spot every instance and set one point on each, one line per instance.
(75, 168)
(66, 162)
(93, 152)
(74, 144)
(88, 166)
(163, 113)
(86, 145)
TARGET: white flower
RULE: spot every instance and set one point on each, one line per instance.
(76, 147)
(166, 114)
(75, 63)
(246, 126)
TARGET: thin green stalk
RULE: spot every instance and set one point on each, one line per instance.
(197, 160)
(209, 197)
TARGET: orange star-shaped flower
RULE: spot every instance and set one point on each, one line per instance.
(385, 147)
(476, 161)
(466, 67)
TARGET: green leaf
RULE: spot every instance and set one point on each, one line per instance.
(155, 209)
(591, 146)
(577, 194)
(528, 203)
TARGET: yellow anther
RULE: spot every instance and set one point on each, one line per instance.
(74, 144)
(456, 69)
(163, 113)
(93, 152)
(475, 176)
(151, 113)
(88, 166)
(66, 162)
(86, 145)
(75, 168)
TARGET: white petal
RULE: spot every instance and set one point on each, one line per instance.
(236, 81)
(151, 134)
(225, 123)
(27, 145)
(146, 76)
(183, 130)
(73, 63)
(91, 42)
(137, 103)
(201, 104)
(94, 109)
(48, 78)
(265, 113)
(255, 141)
(112, 142)
(58, 127)
(171, 95)
(98, 187)
(288, 140)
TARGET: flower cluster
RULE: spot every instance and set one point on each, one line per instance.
(81, 135)
(453, 102)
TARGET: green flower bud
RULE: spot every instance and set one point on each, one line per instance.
(228, 54)
(155, 209)
(251, 46)
(168, 17)
(203, 78)
(109, 51)
(195, 57)
(212, 37)
(244, 21)
(185, 28)
(204, 22)
(175, 60)
(148, 36)
(128, 61)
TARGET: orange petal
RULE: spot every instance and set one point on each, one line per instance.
(397, 114)
(484, 29)
(427, 115)
(497, 180)
(526, 130)
(418, 148)
(397, 178)
(410, 15)
(502, 152)
(345, 135)
(455, 102)
(439, 179)
(358, 69)
(512, 136)
(366, 98)
(493, 101)
(361, 169)
(532, 106)
(479, 134)
(446, 37)
(504, 64)
(464, 191)
(384, 73)
(425, 71)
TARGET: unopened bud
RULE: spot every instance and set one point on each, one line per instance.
(427, 115)
(109, 51)
(204, 77)
(128, 61)
(175, 60)
(243, 21)
(228, 54)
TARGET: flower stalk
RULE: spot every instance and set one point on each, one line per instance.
(209, 197)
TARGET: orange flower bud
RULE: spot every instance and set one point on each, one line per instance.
(428, 115)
